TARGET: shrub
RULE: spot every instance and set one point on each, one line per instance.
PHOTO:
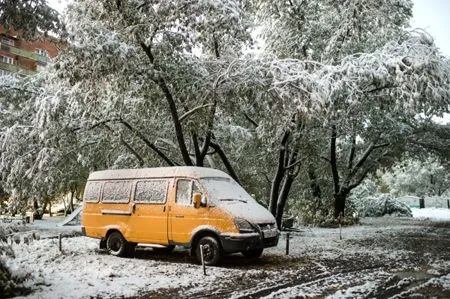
(380, 205)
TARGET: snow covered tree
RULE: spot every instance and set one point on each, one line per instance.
(143, 84)
(29, 16)
(29, 168)
(377, 83)
(421, 178)
(339, 90)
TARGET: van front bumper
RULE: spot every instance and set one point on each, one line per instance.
(243, 242)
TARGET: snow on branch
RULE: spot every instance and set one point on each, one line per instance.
(408, 75)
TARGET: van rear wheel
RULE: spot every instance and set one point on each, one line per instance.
(211, 250)
(253, 253)
(118, 246)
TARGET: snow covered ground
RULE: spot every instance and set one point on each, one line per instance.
(438, 214)
(384, 258)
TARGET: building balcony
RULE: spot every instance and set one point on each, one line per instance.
(13, 68)
(23, 53)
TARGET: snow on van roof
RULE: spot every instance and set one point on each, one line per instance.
(157, 172)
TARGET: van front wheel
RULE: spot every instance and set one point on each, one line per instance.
(211, 250)
(117, 245)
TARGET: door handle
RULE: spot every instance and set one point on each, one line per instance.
(179, 216)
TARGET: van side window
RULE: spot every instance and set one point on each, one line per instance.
(185, 189)
(151, 191)
(92, 191)
(117, 192)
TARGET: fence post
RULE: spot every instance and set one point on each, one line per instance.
(287, 243)
(421, 203)
(60, 242)
(203, 260)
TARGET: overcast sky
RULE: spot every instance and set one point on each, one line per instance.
(433, 16)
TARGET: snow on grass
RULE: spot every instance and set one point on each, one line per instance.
(82, 271)
(437, 214)
(326, 243)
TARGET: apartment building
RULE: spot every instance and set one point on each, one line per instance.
(22, 56)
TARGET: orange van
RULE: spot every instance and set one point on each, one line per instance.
(168, 206)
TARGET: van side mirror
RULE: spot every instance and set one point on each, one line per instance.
(197, 199)
(203, 201)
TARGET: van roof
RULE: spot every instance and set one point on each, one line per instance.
(158, 172)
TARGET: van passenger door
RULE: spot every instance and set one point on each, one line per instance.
(183, 216)
(149, 218)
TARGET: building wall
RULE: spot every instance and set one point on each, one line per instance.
(26, 56)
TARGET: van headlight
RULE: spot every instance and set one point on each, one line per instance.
(244, 226)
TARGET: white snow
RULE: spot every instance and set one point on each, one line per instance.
(81, 270)
(233, 199)
(158, 172)
(437, 214)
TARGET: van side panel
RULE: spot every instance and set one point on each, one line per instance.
(148, 224)
(221, 220)
(183, 220)
(99, 217)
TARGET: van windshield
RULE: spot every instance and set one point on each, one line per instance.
(225, 189)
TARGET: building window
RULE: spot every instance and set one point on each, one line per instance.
(7, 59)
(42, 52)
(7, 41)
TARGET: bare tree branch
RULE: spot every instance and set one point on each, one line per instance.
(193, 110)
(148, 143)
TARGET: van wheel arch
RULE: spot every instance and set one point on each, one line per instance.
(128, 247)
(110, 231)
(201, 234)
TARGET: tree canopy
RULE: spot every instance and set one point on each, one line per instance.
(339, 90)
(29, 16)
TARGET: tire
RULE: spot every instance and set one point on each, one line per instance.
(212, 251)
(118, 246)
(102, 244)
(252, 254)
(167, 249)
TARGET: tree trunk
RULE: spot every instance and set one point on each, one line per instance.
(72, 193)
(274, 190)
(279, 175)
(282, 199)
(65, 206)
(44, 207)
(339, 204)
